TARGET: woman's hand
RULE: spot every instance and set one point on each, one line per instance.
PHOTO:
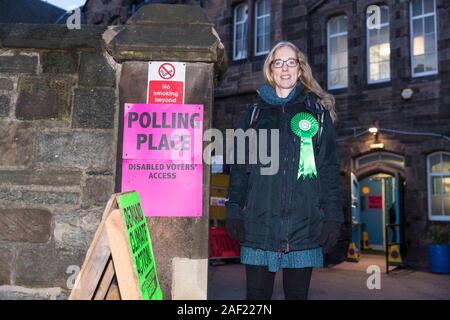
(235, 222)
(235, 228)
(331, 232)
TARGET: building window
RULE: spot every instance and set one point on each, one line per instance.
(379, 50)
(240, 32)
(380, 157)
(262, 27)
(337, 53)
(423, 37)
(438, 166)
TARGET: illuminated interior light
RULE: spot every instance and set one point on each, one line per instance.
(419, 46)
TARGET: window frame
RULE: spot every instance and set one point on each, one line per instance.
(369, 81)
(235, 57)
(432, 217)
(329, 56)
(411, 40)
(255, 36)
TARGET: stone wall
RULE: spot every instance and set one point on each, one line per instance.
(62, 94)
(178, 33)
(58, 103)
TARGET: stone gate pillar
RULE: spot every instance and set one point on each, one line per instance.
(172, 33)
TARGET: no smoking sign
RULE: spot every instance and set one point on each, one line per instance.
(166, 71)
(166, 82)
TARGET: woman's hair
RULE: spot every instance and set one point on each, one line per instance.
(306, 77)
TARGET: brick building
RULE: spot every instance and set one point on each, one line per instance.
(111, 12)
(372, 74)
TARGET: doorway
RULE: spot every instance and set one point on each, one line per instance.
(377, 198)
(377, 194)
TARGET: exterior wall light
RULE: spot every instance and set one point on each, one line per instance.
(377, 146)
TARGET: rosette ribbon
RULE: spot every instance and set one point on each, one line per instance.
(305, 126)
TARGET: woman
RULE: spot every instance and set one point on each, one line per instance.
(288, 220)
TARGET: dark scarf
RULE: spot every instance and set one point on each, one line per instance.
(269, 95)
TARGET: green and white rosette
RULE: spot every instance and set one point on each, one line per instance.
(305, 126)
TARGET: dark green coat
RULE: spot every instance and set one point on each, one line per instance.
(281, 212)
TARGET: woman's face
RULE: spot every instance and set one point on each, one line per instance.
(285, 77)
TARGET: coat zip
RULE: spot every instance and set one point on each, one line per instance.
(287, 193)
(291, 191)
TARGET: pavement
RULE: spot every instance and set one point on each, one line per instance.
(346, 281)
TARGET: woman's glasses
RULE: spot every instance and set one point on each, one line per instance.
(291, 63)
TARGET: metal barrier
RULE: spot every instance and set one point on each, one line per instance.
(221, 246)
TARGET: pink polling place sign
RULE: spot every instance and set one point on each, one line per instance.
(162, 157)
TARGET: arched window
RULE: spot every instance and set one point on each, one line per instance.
(377, 157)
(438, 168)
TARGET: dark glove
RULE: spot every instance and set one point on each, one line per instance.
(235, 222)
(235, 229)
(331, 232)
